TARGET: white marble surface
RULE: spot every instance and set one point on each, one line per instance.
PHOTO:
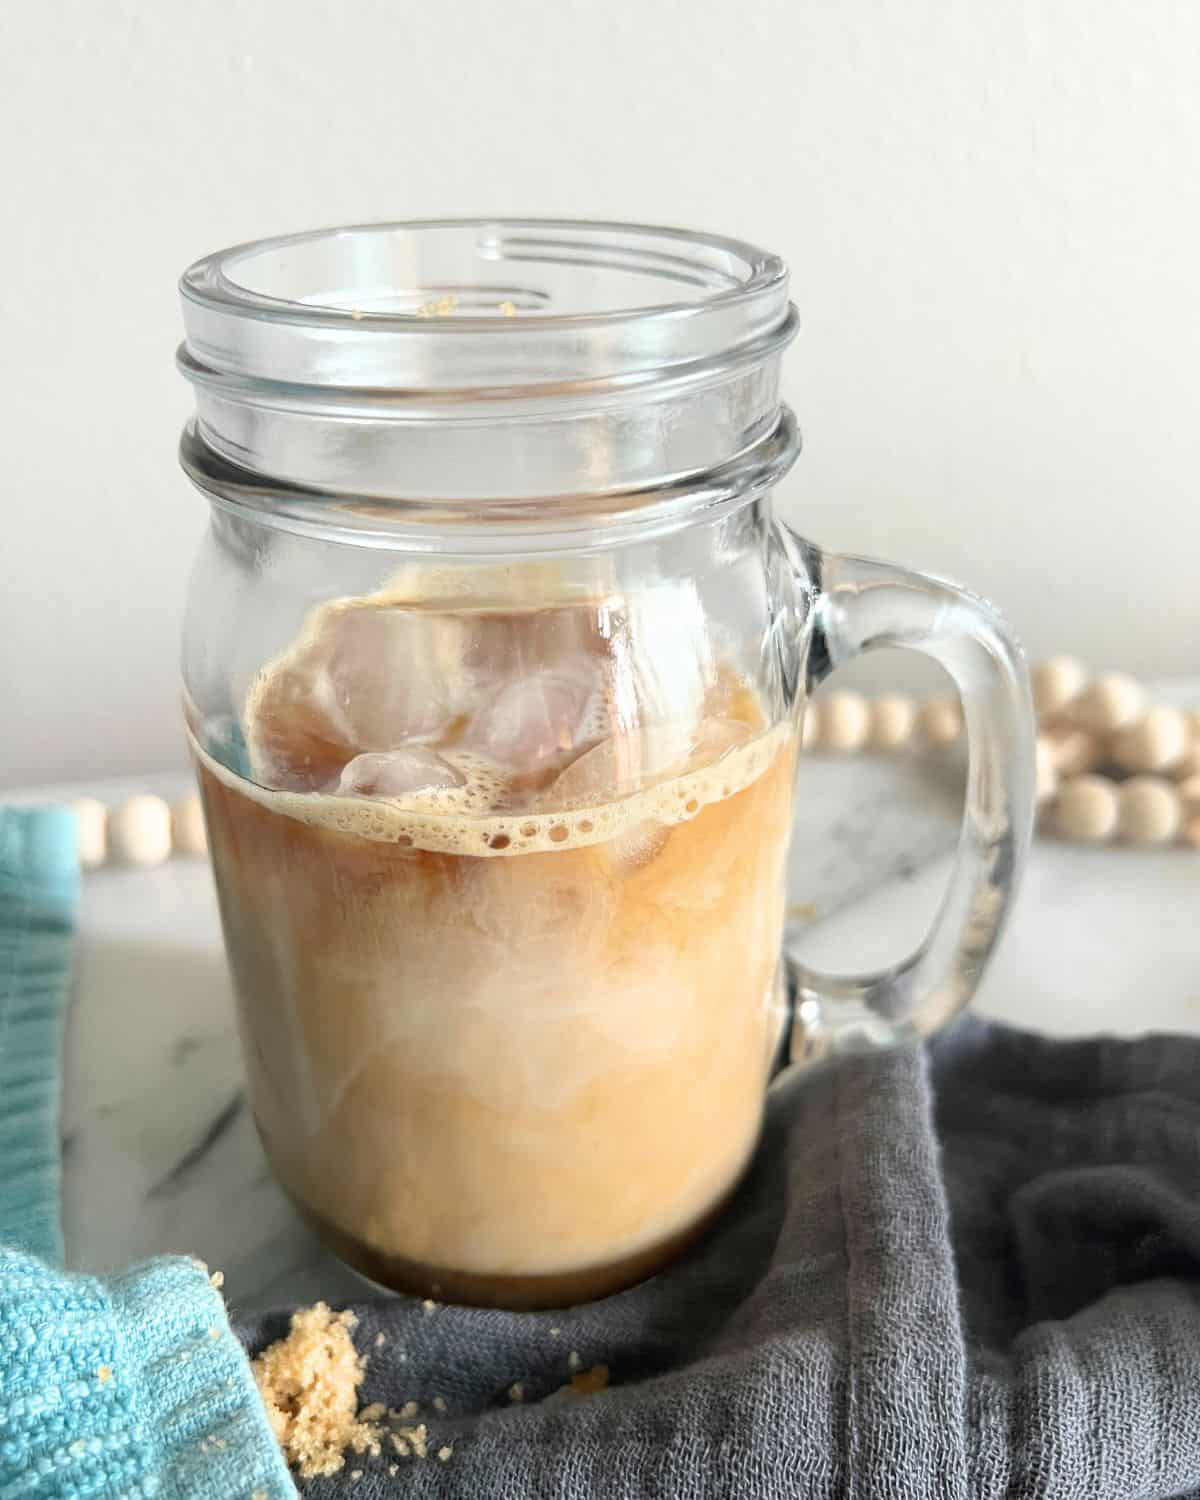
(159, 1149)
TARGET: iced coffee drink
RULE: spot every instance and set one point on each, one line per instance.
(503, 904)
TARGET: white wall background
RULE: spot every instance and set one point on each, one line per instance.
(992, 212)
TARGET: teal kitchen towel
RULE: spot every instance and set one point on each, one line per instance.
(110, 1386)
(39, 894)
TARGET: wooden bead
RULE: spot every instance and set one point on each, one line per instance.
(1151, 810)
(92, 817)
(845, 722)
(940, 721)
(1188, 764)
(893, 719)
(187, 827)
(1157, 740)
(1074, 750)
(1057, 683)
(140, 831)
(1047, 771)
(1109, 703)
(1086, 809)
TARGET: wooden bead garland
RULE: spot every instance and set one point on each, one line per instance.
(1150, 794)
(1056, 683)
(844, 721)
(893, 719)
(1087, 809)
(143, 830)
(139, 831)
(1151, 810)
(1046, 770)
(1146, 752)
(1109, 764)
(187, 827)
(940, 722)
(1111, 702)
(1156, 741)
(1073, 751)
(92, 817)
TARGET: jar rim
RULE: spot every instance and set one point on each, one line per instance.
(485, 357)
(208, 280)
(478, 304)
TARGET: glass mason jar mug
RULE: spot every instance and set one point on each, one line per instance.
(495, 665)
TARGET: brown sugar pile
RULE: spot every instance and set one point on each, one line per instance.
(309, 1384)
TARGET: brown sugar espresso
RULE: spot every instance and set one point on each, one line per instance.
(508, 985)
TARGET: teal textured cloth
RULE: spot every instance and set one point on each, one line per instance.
(118, 1386)
(39, 893)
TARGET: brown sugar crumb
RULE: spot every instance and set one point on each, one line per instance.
(439, 1403)
(400, 1446)
(429, 1305)
(446, 1453)
(590, 1381)
(555, 1333)
(509, 309)
(356, 1475)
(373, 1413)
(416, 1438)
(516, 1391)
(217, 1280)
(393, 1469)
(574, 1361)
(440, 307)
(309, 1385)
(380, 1340)
(104, 1374)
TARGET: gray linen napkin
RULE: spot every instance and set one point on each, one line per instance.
(972, 1272)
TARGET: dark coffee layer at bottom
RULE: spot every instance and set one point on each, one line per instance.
(516, 1293)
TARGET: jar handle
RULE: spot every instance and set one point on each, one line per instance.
(859, 606)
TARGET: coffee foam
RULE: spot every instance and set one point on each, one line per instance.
(459, 820)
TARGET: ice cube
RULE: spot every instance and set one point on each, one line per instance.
(521, 641)
(365, 676)
(536, 721)
(621, 765)
(715, 738)
(399, 675)
(665, 662)
(397, 773)
(379, 672)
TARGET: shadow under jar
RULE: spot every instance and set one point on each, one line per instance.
(495, 664)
